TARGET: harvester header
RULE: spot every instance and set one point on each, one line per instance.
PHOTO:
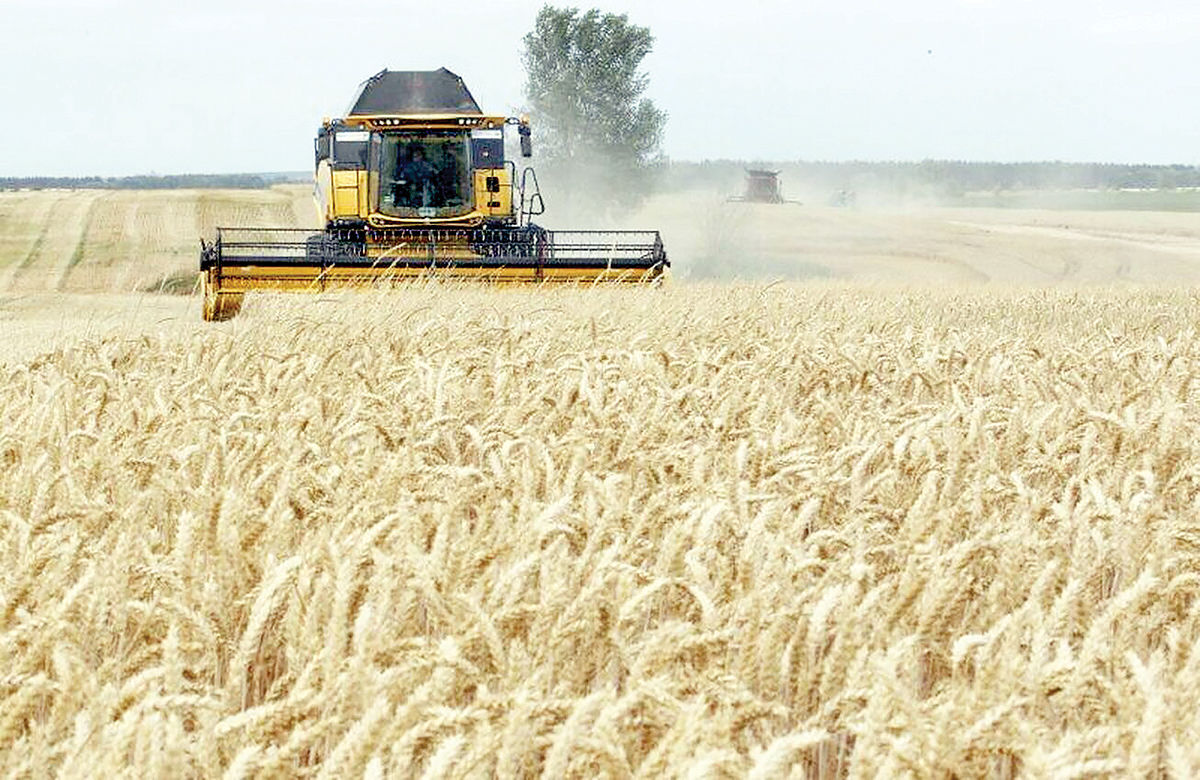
(414, 181)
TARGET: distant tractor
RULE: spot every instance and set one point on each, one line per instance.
(762, 186)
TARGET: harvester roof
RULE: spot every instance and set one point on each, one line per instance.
(413, 92)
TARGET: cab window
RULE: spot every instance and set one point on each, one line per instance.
(426, 175)
(350, 147)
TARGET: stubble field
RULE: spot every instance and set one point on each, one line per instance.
(810, 528)
(84, 241)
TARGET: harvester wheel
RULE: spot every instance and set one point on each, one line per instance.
(219, 306)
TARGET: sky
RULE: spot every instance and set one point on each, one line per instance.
(123, 87)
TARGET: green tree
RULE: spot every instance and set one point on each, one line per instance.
(594, 129)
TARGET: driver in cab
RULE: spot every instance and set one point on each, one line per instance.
(417, 174)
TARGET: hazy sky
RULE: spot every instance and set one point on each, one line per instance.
(114, 87)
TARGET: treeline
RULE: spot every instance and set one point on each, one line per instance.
(238, 181)
(939, 177)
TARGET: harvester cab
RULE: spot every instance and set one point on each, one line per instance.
(415, 181)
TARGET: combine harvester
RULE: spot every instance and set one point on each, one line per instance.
(761, 187)
(414, 183)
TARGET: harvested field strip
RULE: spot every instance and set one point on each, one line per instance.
(23, 217)
(24, 224)
(81, 244)
(247, 208)
(33, 252)
(304, 210)
(49, 260)
(114, 249)
(133, 239)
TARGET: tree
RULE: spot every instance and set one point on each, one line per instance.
(592, 125)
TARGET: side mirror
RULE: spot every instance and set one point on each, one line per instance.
(526, 141)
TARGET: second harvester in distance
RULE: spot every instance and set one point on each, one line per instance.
(414, 181)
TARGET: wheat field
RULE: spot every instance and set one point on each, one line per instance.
(71, 241)
(789, 530)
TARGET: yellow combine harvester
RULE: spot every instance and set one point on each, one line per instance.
(414, 182)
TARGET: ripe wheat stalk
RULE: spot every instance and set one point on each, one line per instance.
(805, 531)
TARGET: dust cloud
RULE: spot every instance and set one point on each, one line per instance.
(708, 237)
(878, 228)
